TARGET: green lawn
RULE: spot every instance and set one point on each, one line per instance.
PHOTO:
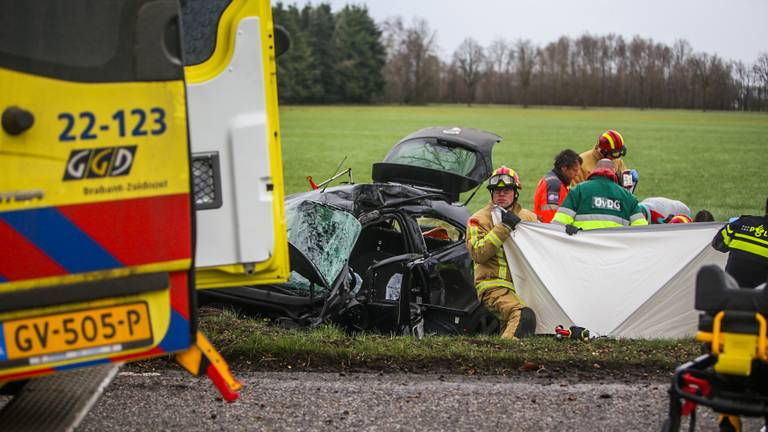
(712, 160)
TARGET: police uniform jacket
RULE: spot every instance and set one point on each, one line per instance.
(747, 240)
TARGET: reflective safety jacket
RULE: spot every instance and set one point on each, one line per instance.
(589, 161)
(549, 195)
(599, 203)
(747, 240)
(484, 242)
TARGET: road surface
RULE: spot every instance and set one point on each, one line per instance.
(283, 401)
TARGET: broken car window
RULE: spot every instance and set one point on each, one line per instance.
(438, 233)
(325, 235)
(428, 153)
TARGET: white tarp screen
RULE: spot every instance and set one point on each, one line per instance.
(633, 282)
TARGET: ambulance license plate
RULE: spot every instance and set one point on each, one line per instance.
(127, 326)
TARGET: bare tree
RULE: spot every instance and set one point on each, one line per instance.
(585, 59)
(760, 69)
(469, 59)
(411, 59)
(744, 83)
(587, 71)
(420, 47)
(499, 59)
(525, 57)
(701, 64)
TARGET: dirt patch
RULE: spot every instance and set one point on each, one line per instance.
(569, 372)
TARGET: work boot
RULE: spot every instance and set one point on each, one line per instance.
(527, 325)
(729, 423)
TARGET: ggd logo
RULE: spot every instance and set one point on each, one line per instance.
(100, 162)
(606, 203)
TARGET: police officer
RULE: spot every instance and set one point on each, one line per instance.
(747, 240)
(599, 203)
(493, 281)
(553, 187)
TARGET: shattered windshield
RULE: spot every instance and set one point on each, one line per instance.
(427, 153)
(325, 235)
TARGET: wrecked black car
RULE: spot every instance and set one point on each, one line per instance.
(387, 256)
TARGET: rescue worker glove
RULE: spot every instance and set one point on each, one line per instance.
(510, 219)
(635, 175)
(571, 229)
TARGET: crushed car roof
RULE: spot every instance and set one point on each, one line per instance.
(361, 198)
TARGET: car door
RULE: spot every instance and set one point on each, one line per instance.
(445, 276)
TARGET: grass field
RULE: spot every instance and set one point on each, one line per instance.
(712, 160)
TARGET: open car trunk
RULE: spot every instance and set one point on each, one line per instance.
(449, 159)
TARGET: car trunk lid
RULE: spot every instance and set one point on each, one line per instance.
(449, 159)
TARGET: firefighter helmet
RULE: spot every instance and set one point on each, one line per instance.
(680, 219)
(504, 178)
(611, 145)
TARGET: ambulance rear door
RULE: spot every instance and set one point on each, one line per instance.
(95, 207)
(234, 131)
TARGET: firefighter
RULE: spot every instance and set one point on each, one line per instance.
(746, 239)
(610, 145)
(599, 203)
(493, 281)
(553, 187)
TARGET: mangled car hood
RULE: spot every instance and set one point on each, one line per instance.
(450, 159)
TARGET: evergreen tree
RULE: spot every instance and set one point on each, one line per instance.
(360, 55)
(320, 29)
(297, 79)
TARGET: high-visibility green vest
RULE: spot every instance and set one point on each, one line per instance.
(599, 203)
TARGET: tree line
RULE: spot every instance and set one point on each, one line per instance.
(346, 57)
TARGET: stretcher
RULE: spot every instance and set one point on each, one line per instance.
(732, 376)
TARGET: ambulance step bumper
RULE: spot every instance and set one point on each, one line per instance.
(58, 402)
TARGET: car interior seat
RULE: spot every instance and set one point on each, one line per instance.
(375, 243)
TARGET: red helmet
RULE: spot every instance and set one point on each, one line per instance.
(611, 144)
(504, 178)
(680, 219)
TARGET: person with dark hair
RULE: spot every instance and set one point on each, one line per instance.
(704, 216)
(485, 241)
(553, 187)
(746, 241)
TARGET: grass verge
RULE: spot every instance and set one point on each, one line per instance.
(252, 344)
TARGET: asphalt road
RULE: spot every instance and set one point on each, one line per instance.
(172, 400)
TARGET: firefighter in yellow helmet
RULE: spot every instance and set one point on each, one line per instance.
(484, 241)
(610, 145)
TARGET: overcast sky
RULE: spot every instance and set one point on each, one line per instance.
(733, 29)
